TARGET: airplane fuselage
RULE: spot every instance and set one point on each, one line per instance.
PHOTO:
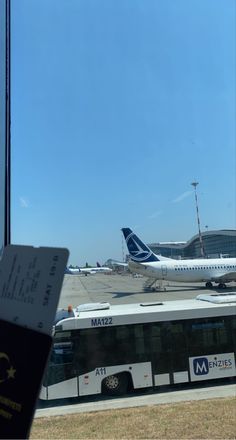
(88, 270)
(198, 270)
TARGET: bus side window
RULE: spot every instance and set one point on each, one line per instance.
(208, 336)
(140, 347)
(166, 336)
(155, 338)
(178, 346)
(90, 349)
(124, 343)
(178, 336)
(62, 353)
(233, 330)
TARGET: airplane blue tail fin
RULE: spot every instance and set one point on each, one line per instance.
(138, 251)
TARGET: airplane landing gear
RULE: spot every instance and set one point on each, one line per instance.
(222, 286)
(208, 285)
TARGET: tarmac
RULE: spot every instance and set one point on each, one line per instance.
(121, 289)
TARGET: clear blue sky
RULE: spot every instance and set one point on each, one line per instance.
(117, 106)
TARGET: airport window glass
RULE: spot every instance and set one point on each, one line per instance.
(96, 86)
(4, 129)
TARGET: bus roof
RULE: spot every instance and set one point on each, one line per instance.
(104, 314)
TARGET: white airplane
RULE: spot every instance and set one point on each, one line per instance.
(145, 262)
(88, 270)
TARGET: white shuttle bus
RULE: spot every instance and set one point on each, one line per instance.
(110, 349)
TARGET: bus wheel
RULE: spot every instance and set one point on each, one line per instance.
(115, 385)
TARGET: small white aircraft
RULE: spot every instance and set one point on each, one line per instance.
(145, 262)
(88, 270)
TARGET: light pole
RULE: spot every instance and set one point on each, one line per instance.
(194, 184)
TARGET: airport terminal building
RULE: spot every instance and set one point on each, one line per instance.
(219, 243)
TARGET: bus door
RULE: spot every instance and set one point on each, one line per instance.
(61, 377)
(169, 357)
(178, 352)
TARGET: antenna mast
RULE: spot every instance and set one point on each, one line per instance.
(194, 184)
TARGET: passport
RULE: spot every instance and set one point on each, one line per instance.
(23, 357)
(30, 284)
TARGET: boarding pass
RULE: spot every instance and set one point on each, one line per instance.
(30, 284)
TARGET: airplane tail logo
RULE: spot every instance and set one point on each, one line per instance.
(138, 251)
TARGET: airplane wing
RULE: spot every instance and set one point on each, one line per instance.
(118, 263)
(228, 276)
(133, 266)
